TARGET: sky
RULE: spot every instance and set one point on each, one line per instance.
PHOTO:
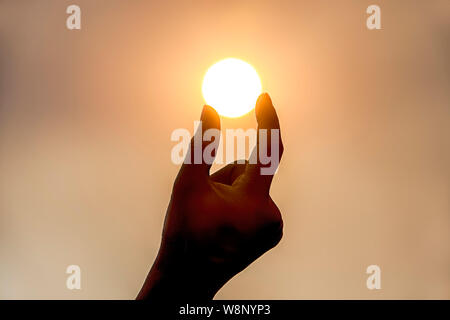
(85, 152)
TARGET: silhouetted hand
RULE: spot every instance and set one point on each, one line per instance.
(216, 225)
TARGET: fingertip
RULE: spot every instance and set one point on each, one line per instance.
(208, 108)
(264, 97)
(210, 118)
(262, 101)
(266, 115)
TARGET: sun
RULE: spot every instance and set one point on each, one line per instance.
(231, 86)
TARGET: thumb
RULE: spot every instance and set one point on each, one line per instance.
(267, 153)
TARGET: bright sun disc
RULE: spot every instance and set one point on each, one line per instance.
(231, 86)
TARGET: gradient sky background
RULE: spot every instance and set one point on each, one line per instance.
(86, 118)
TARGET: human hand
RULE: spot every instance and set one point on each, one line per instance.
(216, 225)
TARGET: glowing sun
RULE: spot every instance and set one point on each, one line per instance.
(231, 86)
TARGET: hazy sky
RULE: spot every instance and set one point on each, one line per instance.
(86, 117)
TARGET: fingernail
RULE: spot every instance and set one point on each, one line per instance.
(203, 115)
(264, 103)
(210, 118)
(267, 98)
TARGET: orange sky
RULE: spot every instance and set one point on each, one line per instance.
(86, 118)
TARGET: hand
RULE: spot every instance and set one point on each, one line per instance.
(216, 225)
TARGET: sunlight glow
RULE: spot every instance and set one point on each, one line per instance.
(231, 86)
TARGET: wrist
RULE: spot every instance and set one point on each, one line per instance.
(177, 275)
